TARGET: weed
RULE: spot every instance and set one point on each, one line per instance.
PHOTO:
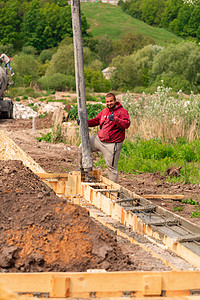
(46, 137)
(43, 115)
(195, 214)
(190, 201)
(179, 208)
(17, 99)
(25, 97)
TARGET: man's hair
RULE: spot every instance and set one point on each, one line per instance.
(109, 95)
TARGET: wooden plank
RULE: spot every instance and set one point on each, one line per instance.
(84, 284)
(163, 196)
(52, 175)
(59, 287)
(152, 285)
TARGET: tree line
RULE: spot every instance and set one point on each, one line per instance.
(182, 17)
(38, 35)
(39, 23)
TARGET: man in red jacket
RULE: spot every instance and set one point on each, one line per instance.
(113, 121)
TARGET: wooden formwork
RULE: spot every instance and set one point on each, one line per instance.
(99, 283)
(105, 284)
(71, 184)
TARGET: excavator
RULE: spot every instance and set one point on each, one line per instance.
(6, 106)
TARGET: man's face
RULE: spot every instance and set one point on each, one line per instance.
(110, 102)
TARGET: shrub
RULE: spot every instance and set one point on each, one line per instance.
(26, 69)
(95, 80)
(8, 49)
(92, 111)
(57, 82)
(45, 55)
(30, 50)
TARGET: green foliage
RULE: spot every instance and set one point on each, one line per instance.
(190, 201)
(26, 69)
(152, 11)
(54, 136)
(45, 24)
(9, 22)
(178, 208)
(45, 55)
(156, 156)
(58, 82)
(125, 75)
(130, 43)
(46, 137)
(8, 49)
(165, 114)
(25, 91)
(62, 61)
(104, 47)
(92, 111)
(195, 214)
(30, 50)
(182, 61)
(41, 116)
(95, 80)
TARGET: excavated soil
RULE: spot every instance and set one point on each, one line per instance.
(40, 231)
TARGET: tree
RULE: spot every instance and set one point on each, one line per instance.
(129, 43)
(144, 60)
(171, 12)
(9, 22)
(26, 69)
(152, 11)
(33, 27)
(125, 76)
(104, 49)
(95, 80)
(182, 60)
(47, 23)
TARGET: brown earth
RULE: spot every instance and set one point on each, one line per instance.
(40, 231)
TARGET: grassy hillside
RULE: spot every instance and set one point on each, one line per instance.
(110, 19)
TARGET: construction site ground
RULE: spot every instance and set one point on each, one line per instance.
(40, 231)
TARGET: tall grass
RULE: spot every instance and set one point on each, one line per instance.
(164, 116)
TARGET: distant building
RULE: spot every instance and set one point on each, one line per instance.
(108, 72)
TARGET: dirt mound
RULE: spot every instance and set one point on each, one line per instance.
(40, 231)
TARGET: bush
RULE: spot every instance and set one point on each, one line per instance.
(57, 82)
(26, 69)
(30, 50)
(8, 49)
(45, 55)
(92, 111)
(95, 80)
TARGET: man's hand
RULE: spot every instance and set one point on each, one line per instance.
(78, 121)
(111, 117)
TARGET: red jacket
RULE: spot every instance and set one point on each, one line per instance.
(111, 131)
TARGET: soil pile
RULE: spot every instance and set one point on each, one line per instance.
(40, 231)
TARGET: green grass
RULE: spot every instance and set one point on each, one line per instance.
(156, 156)
(109, 19)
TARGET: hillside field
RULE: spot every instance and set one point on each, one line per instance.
(109, 19)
